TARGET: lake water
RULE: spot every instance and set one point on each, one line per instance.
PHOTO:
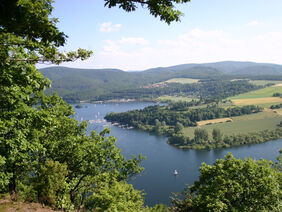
(158, 180)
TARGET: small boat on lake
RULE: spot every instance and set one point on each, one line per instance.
(175, 172)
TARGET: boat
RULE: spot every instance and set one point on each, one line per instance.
(175, 172)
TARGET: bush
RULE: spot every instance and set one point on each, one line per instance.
(51, 185)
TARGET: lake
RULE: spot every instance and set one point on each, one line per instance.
(158, 180)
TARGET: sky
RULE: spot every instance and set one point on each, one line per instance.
(209, 31)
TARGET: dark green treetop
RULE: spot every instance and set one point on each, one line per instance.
(158, 8)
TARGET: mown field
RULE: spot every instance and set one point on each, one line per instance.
(242, 124)
(264, 82)
(182, 80)
(264, 102)
(278, 111)
(263, 97)
(214, 121)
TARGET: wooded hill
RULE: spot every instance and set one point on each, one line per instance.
(94, 84)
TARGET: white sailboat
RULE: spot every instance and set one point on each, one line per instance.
(175, 172)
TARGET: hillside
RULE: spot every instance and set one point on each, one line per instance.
(88, 84)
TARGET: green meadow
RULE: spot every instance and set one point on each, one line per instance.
(242, 124)
(261, 93)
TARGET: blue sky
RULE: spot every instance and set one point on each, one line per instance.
(210, 31)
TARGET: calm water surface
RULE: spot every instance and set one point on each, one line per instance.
(157, 180)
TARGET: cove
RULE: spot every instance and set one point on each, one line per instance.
(158, 180)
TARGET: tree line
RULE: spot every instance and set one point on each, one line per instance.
(202, 140)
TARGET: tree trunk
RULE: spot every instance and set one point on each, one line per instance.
(13, 189)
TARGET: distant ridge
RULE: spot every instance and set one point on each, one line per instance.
(83, 84)
(231, 67)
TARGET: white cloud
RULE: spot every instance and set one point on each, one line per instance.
(253, 23)
(195, 46)
(134, 40)
(109, 27)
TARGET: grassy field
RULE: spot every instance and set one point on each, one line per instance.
(242, 124)
(213, 121)
(261, 93)
(278, 111)
(258, 101)
(264, 82)
(182, 80)
(175, 98)
(262, 97)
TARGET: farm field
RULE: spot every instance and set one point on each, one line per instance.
(261, 93)
(264, 82)
(258, 101)
(174, 98)
(263, 97)
(183, 80)
(213, 121)
(278, 111)
(242, 124)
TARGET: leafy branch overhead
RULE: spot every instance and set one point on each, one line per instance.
(29, 34)
(159, 8)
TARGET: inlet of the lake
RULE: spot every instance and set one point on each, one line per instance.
(158, 180)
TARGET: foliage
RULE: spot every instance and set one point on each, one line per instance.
(277, 95)
(111, 195)
(158, 208)
(217, 135)
(182, 201)
(234, 185)
(203, 142)
(162, 8)
(51, 185)
(44, 151)
(276, 106)
(201, 135)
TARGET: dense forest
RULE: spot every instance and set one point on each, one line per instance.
(210, 90)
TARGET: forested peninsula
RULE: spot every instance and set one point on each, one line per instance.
(211, 114)
(170, 121)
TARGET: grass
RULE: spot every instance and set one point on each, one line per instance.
(264, 82)
(174, 98)
(260, 93)
(263, 97)
(278, 111)
(242, 124)
(182, 80)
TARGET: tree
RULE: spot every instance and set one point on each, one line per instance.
(201, 135)
(111, 195)
(178, 127)
(39, 138)
(217, 135)
(162, 8)
(235, 185)
(157, 127)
